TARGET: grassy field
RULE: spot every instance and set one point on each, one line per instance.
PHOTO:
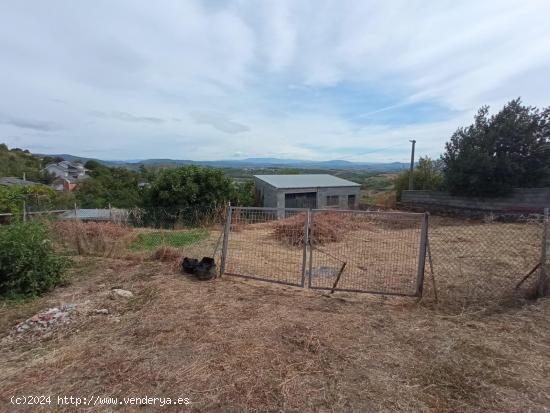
(151, 240)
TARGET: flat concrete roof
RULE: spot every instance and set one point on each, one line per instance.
(305, 181)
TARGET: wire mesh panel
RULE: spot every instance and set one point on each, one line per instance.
(267, 244)
(150, 233)
(477, 260)
(366, 251)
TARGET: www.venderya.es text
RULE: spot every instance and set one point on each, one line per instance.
(98, 400)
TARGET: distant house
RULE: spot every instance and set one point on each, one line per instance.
(306, 191)
(68, 175)
(11, 181)
(66, 169)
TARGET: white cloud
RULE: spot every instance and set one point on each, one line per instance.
(209, 80)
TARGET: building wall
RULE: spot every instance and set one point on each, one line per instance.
(275, 198)
(266, 195)
(342, 193)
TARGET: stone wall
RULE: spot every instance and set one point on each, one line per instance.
(524, 200)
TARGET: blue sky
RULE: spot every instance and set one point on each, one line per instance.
(201, 80)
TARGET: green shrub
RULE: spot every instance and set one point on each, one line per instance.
(28, 264)
(426, 176)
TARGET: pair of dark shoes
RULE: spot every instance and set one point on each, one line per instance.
(204, 269)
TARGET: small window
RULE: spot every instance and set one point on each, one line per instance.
(333, 200)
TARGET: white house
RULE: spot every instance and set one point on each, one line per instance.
(68, 175)
(66, 169)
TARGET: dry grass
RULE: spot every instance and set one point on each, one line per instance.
(479, 264)
(232, 345)
(111, 240)
(245, 346)
(103, 239)
(167, 254)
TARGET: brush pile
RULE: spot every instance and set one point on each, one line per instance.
(327, 227)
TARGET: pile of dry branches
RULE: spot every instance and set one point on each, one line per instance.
(327, 227)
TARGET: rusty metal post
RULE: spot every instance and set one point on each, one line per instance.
(306, 242)
(543, 257)
(422, 256)
(311, 246)
(225, 244)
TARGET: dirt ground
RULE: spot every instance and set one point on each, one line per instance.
(237, 345)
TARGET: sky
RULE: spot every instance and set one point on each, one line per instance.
(207, 80)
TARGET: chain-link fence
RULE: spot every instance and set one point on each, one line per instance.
(364, 251)
(266, 244)
(165, 234)
(367, 251)
(481, 260)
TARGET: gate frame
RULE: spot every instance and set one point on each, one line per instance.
(280, 213)
(309, 246)
(421, 252)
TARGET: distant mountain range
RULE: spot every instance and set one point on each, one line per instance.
(251, 163)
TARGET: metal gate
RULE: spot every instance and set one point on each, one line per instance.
(266, 244)
(340, 250)
(367, 251)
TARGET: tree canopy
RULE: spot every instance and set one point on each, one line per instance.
(190, 186)
(498, 153)
(115, 186)
(426, 176)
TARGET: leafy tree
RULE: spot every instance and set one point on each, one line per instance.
(244, 194)
(115, 186)
(92, 165)
(190, 186)
(498, 153)
(426, 176)
(46, 160)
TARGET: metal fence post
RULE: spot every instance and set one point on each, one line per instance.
(226, 230)
(422, 255)
(543, 256)
(311, 242)
(306, 242)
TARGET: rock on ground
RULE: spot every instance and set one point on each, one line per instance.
(123, 293)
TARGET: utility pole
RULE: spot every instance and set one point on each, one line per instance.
(411, 185)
